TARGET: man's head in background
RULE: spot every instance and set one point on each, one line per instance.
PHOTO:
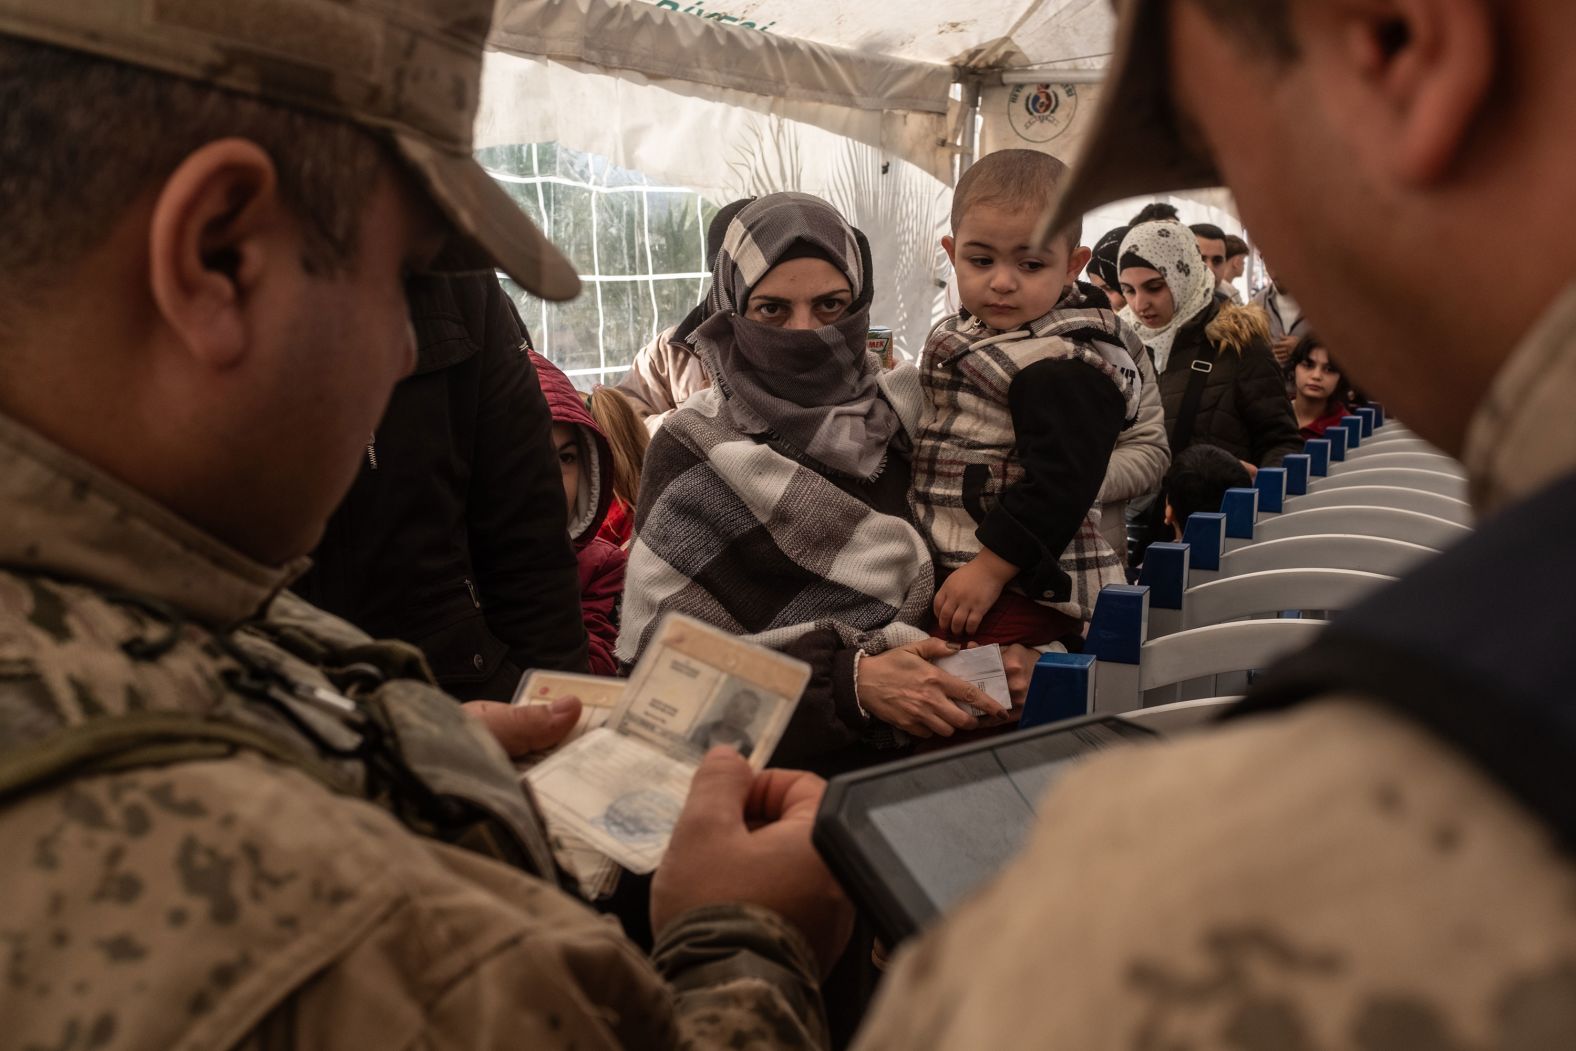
(1156, 212)
(202, 276)
(1212, 246)
(1236, 257)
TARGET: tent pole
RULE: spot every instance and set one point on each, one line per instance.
(968, 134)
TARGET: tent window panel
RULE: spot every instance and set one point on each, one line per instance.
(619, 234)
(638, 247)
(517, 160)
(675, 233)
(675, 299)
(571, 223)
(627, 321)
(529, 197)
(576, 332)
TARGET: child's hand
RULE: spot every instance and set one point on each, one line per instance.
(970, 592)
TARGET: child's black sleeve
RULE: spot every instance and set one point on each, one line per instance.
(1066, 416)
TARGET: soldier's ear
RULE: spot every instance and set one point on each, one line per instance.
(217, 227)
(1418, 73)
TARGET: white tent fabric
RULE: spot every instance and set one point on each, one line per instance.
(613, 58)
(854, 102)
(1076, 33)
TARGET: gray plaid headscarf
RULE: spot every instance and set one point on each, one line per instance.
(814, 391)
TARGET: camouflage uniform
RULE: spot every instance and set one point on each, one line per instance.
(209, 845)
(236, 900)
(1333, 877)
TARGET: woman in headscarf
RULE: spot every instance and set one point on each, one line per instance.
(1218, 380)
(775, 504)
(1103, 270)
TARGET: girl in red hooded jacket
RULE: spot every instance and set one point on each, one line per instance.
(586, 460)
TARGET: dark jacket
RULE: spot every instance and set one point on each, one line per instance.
(453, 536)
(1244, 408)
(601, 561)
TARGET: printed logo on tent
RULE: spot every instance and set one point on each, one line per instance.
(699, 11)
(1042, 112)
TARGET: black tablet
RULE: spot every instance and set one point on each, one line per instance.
(909, 839)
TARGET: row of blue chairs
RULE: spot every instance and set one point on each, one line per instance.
(1259, 579)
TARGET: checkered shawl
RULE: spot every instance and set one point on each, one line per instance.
(966, 372)
(735, 533)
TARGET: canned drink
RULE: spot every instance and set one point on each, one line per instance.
(879, 342)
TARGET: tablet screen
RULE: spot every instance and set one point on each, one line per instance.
(926, 832)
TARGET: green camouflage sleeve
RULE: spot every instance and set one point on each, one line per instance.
(743, 978)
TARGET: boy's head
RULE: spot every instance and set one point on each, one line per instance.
(1002, 279)
(1198, 480)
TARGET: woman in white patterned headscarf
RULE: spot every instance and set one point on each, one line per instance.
(1200, 340)
(1160, 261)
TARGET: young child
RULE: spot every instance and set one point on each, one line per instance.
(1026, 392)
(1197, 481)
(586, 461)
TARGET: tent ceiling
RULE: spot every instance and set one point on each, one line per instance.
(635, 37)
(825, 63)
(944, 31)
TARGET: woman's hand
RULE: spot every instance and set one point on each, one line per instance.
(903, 689)
(969, 593)
(1019, 662)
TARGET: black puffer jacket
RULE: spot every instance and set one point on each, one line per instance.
(1244, 408)
(454, 536)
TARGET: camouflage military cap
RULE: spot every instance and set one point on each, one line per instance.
(407, 69)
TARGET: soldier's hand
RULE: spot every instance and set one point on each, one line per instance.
(526, 728)
(745, 837)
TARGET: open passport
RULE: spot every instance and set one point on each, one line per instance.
(615, 787)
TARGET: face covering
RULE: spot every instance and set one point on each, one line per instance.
(814, 391)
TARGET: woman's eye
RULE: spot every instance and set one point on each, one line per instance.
(830, 306)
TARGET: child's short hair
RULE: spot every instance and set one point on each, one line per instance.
(1013, 179)
(1235, 246)
(1198, 480)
